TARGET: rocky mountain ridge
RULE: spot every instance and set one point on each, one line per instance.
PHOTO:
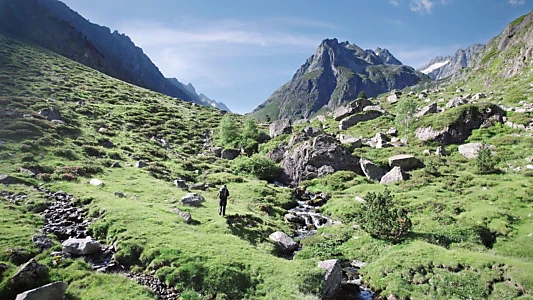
(198, 98)
(336, 73)
(444, 67)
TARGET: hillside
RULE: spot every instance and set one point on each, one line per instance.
(53, 25)
(336, 73)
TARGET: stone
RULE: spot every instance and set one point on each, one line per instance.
(180, 183)
(284, 243)
(394, 175)
(28, 274)
(325, 170)
(361, 117)
(51, 291)
(184, 215)
(359, 104)
(405, 161)
(6, 179)
(119, 194)
(375, 108)
(343, 112)
(440, 151)
(321, 118)
(58, 122)
(230, 154)
(278, 153)
(470, 150)
(102, 130)
(80, 247)
(379, 141)
(96, 182)
(217, 151)
(352, 141)
(300, 122)
(50, 113)
(27, 172)
(202, 186)
(459, 90)
(280, 127)
(426, 152)
(42, 242)
(140, 164)
(393, 98)
(392, 131)
(422, 95)
(263, 137)
(371, 170)
(478, 96)
(192, 199)
(332, 277)
(455, 102)
(430, 109)
(312, 131)
(292, 218)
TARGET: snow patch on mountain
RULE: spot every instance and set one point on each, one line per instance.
(435, 66)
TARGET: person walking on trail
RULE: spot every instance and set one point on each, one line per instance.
(223, 195)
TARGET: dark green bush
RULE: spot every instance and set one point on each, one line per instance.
(258, 165)
(485, 161)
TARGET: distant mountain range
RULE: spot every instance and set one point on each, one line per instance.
(198, 98)
(53, 25)
(444, 67)
(336, 73)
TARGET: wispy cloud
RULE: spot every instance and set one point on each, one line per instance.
(517, 2)
(394, 2)
(421, 6)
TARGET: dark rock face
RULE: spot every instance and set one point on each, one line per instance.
(52, 291)
(332, 277)
(337, 73)
(470, 117)
(324, 154)
(230, 154)
(6, 179)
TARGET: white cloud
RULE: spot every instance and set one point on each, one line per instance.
(394, 2)
(517, 2)
(421, 6)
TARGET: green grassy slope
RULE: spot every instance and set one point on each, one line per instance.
(215, 256)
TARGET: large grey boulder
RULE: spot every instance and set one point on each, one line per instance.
(324, 153)
(429, 109)
(284, 242)
(455, 102)
(230, 154)
(394, 175)
(470, 150)
(375, 108)
(464, 120)
(280, 127)
(278, 154)
(379, 141)
(300, 122)
(353, 142)
(393, 98)
(192, 199)
(371, 170)
(312, 131)
(332, 277)
(180, 183)
(359, 104)
(28, 274)
(360, 117)
(86, 246)
(405, 161)
(51, 114)
(51, 291)
(343, 112)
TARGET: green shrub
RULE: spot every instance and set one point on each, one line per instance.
(258, 165)
(485, 161)
(382, 219)
(66, 153)
(228, 133)
(94, 151)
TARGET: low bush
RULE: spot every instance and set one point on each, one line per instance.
(258, 165)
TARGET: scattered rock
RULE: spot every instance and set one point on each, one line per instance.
(405, 161)
(280, 127)
(217, 151)
(292, 218)
(392, 131)
(184, 215)
(352, 141)
(192, 199)
(28, 274)
(300, 122)
(379, 141)
(181, 184)
(359, 104)
(230, 154)
(202, 186)
(27, 172)
(50, 113)
(284, 242)
(140, 164)
(393, 98)
(119, 194)
(312, 131)
(96, 182)
(102, 130)
(80, 247)
(470, 150)
(394, 175)
(343, 112)
(455, 102)
(361, 117)
(332, 278)
(42, 242)
(52, 291)
(371, 170)
(440, 151)
(478, 96)
(321, 118)
(6, 179)
(430, 109)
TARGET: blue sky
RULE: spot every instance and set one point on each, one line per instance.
(240, 51)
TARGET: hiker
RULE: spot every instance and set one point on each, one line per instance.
(223, 195)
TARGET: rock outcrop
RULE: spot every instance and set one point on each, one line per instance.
(322, 155)
(332, 277)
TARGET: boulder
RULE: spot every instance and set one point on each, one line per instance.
(393, 98)
(332, 277)
(352, 141)
(184, 215)
(230, 154)
(202, 186)
(321, 118)
(119, 194)
(405, 161)
(284, 243)
(28, 274)
(6, 179)
(379, 141)
(371, 170)
(58, 122)
(478, 96)
(42, 242)
(325, 170)
(440, 151)
(300, 122)
(470, 150)
(96, 182)
(375, 108)
(361, 117)
(27, 172)
(392, 131)
(278, 153)
(50, 113)
(359, 104)
(86, 246)
(280, 127)
(217, 151)
(140, 164)
(263, 137)
(463, 121)
(292, 218)
(324, 153)
(312, 131)
(180, 183)
(394, 175)
(343, 112)
(51, 291)
(455, 102)
(192, 199)
(430, 109)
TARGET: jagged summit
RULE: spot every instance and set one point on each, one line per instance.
(198, 98)
(442, 67)
(337, 72)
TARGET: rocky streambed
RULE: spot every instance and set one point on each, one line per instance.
(70, 224)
